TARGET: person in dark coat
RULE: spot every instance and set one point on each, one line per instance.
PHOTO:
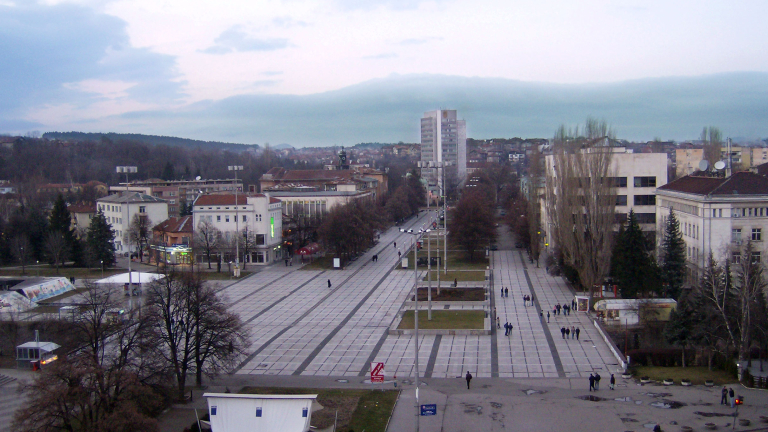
(506, 292)
(468, 377)
(547, 316)
(567, 333)
(562, 331)
(510, 329)
(591, 382)
(577, 333)
(613, 382)
(724, 396)
(506, 328)
(597, 381)
(732, 396)
(329, 283)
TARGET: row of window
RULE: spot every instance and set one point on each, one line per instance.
(757, 234)
(621, 200)
(736, 257)
(244, 218)
(644, 181)
(259, 411)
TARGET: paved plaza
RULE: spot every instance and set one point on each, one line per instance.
(300, 326)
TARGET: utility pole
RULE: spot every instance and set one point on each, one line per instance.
(236, 168)
(126, 170)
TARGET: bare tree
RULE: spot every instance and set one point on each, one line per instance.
(581, 200)
(56, 245)
(138, 233)
(712, 139)
(207, 239)
(716, 292)
(21, 249)
(750, 285)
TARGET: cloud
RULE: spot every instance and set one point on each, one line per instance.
(236, 40)
(389, 109)
(287, 22)
(382, 56)
(388, 4)
(419, 41)
(48, 49)
(272, 73)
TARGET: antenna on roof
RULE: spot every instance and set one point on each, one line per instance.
(704, 164)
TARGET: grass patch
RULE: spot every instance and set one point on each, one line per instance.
(453, 294)
(697, 374)
(461, 276)
(445, 319)
(358, 409)
(322, 263)
(456, 259)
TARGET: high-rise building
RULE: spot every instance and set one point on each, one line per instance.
(443, 140)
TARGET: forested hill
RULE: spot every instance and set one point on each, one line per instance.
(148, 139)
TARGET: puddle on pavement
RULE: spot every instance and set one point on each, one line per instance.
(592, 398)
(496, 405)
(658, 395)
(628, 420)
(649, 426)
(712, 414)
(472, 408)
(668, 404)
(533, 392)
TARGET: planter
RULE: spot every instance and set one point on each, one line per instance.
(709, 383)
(645, 380)
(744, 422)
(685, 382)
(710, 426)
(668, 382)
(626, 375)
(686, 428)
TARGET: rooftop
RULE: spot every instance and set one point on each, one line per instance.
(175, 225)
(130, 197)
(739, 184)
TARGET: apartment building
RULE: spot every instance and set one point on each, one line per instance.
(176, 192)
(120, 209)
(443, 141)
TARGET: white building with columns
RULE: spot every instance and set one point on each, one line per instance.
(256, 215)
(718, 215)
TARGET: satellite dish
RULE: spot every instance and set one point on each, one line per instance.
(198, 178)
(703, 165)
(719, 165)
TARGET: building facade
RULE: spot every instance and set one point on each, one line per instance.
(443, 141)
(120, 209)
(717, 215)
(255, 216)
(177, 192)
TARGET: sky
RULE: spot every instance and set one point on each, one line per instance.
(309, 72)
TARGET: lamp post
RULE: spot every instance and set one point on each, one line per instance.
(236, 168)
(414, 239)
(102, 268)
(126, 170)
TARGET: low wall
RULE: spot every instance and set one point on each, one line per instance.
(614, 349)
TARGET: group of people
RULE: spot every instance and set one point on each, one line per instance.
(570, 333)
(526, 299)
(566, 309)
(594, 382)
(728, 397)
(508, 328)
(504, 292)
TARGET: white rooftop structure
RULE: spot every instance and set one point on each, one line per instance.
(259, 413)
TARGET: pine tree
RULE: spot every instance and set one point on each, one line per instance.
(632, 266)
(60, 221)
(100, 241)
(682, 326)
(673, 257)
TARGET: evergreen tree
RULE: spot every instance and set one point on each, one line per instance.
(168, 172)
(632, 265)
(60, 221)
(673, 257)
(100, 241)
(682, 326)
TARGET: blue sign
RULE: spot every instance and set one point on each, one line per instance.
(429, 409)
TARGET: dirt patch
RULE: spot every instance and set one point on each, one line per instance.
(453, 294)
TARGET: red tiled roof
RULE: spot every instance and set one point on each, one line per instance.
(82, 208)
(740, 183)
(273, 200)
(175, 225)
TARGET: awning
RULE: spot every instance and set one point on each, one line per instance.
(136, 277)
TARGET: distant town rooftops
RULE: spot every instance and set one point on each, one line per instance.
(82, 208)
(740, 183)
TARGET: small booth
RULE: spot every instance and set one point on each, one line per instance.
(631, 311)
(35, 355)
(178, 254)
(231, 412)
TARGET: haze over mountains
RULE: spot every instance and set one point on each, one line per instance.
(388, 110)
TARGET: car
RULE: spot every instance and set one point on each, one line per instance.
(519, 245)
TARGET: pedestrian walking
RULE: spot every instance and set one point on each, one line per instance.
(732, 395)
(591, 382)
(573, 332)
(577, 333)
(724, 396)
(498, 322)
(562, 331)
(502, 291)
(468, 376)
(506, 328)
(541, 314)
(395, 245)
(456, 284)
(558, 308)
(554, 311)
(506, 292)
(523, 300)
(547, 316)
(286, 262)
(567, 333)
(531, 300)
(573, 304)
(597, 381)
(613, 382)
(510, 329)
(329, 283)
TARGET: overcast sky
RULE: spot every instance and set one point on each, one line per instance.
(201, 69)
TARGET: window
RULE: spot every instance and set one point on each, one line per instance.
(245, 218)
(757, 234)
(646, 218)
(213, 410)
(618, 181)
(645, 181)
(142, 209)
(227, 218)
(756, 257)
(258, 411)
(736, 257)
(736, 234)
(304, 412)
(258, 218)
(645, 199)
(260, 240)
(621, 200)
(218, 218)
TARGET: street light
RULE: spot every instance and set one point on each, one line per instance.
(414, 239)
(126, 170)
(236, 168)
